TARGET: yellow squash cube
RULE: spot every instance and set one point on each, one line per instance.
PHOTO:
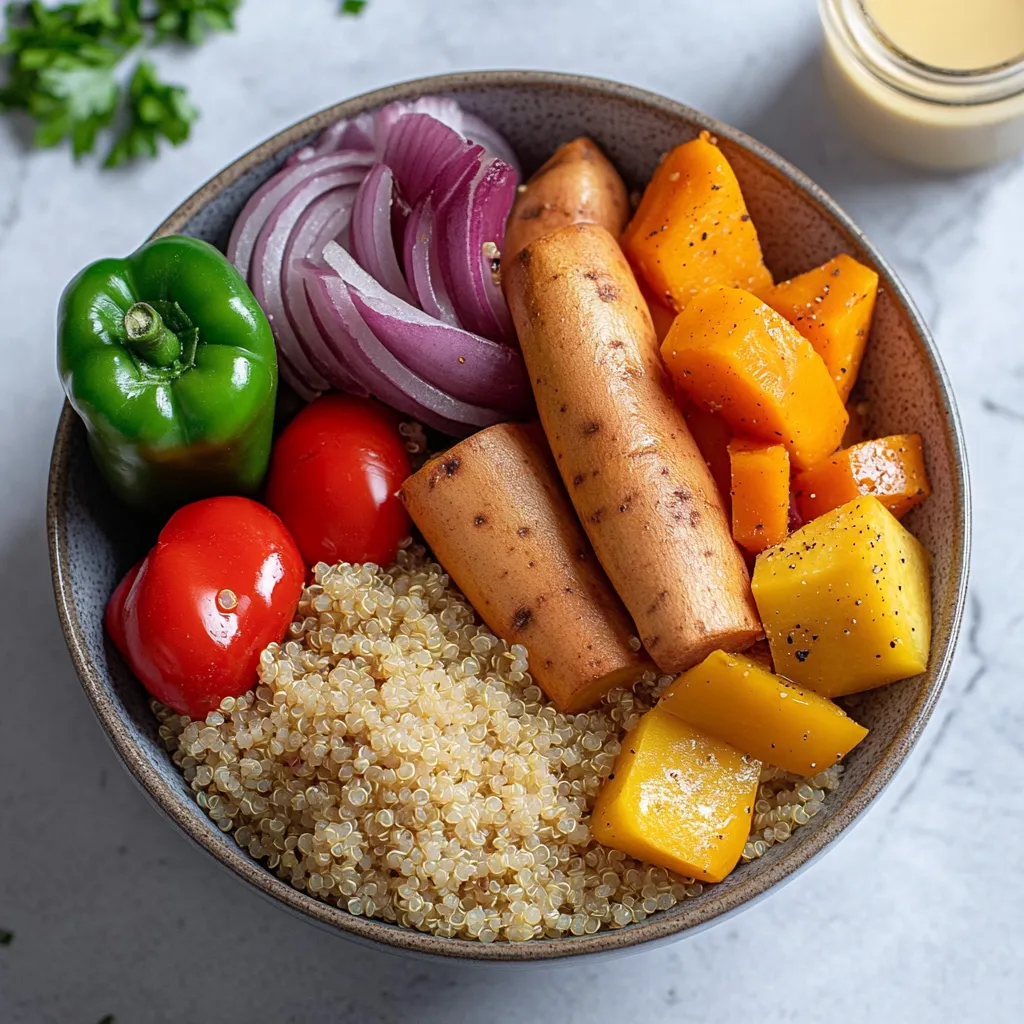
(846, 601)
(678, 798)
(740, 702)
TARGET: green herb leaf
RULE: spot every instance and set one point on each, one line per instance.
(6, 937)
(109, 1019)
(156, 111)
(190, 20)
(353, 6)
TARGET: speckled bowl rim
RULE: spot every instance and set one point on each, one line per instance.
(657, 927)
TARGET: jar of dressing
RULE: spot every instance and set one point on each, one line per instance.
(938, 83)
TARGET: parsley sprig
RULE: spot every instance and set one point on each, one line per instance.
(64, 64)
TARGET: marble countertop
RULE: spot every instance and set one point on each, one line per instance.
(915, 917)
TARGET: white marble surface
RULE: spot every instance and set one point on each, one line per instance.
(915, 917)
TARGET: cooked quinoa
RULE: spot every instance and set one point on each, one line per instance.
(397, 759)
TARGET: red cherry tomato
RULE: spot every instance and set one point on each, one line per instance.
(334, 479)
(192, 618)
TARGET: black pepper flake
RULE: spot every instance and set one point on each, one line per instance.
(802, 656)
(479, 520)
(715, 188)
(892, 643)
(611, 776)
(789, 639)
(704, 236)
(450, 467)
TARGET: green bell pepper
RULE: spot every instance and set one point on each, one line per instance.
(171, 364)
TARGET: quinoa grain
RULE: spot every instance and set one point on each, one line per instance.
(397, 760)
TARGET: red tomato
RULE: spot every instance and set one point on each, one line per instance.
(334, 479)
(192, 618)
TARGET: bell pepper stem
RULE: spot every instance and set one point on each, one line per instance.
(149, 337)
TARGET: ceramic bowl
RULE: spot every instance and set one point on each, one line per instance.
(92, 541)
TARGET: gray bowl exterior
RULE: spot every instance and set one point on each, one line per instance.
(92, 542)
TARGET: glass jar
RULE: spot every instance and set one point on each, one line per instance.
(930, 116)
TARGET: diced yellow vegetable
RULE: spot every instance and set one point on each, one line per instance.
(846, 601)
(738, 701)
(678, 798)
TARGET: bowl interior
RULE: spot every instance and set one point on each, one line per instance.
(93, 542)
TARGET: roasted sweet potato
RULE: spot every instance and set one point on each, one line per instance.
(577, 185)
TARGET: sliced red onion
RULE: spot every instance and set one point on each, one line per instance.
(268, 264)
(470, 222)
(372, 242)
(422, 271)
(418, 148)
(465, 365)
(325, 220)
(262, 202)
(479, 131)
(382, 374)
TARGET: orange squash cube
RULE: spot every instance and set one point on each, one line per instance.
(661, 315)
(678, 798)
(738, 701)
(890, 468)
(760, 494)
(712, 435)
(735, 355)
(857, 429)
(692, 230)
(831, 306)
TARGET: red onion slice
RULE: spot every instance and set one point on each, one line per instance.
(466, 366)
(372, 241)
(382, 374)
(262, 202)
(473, 214)
(268, 264)
(326, 219)
(421, 267)
(418, 148)
(477, 130)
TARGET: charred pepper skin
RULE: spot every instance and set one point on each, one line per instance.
(170, 362)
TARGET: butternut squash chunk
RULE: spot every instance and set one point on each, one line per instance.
(760, 494)
(739, 702)
(661, 315)
(857, 429)
(678, 798)
(712, 435)
(831, 306)
(735, 355)
(846, 601)
(890, 468)
(692, 230)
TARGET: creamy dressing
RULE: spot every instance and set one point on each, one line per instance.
(960, 35)
(955, 114)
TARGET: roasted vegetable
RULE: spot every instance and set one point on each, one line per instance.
(737, 356)
(846, 601)
(577, 185)
(495, 514)
(890, 468)
(193, 617)
(692, 230)
(741, 703)
(831, 306)
(640, 486)
(334, 479)
(171, 364)
(712, 435)
(760, 493)
(678, 798)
